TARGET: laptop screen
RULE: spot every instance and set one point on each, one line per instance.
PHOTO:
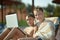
(11, 20)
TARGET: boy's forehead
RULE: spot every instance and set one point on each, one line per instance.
(26, 17)
(40, 12)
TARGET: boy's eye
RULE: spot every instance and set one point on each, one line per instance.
(27, 19)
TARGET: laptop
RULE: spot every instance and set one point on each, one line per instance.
(11, 20)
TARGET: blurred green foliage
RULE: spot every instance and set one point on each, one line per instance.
(46, 14)
(57, 11)
(23, 23)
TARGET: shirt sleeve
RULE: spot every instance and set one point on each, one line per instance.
(46, 32)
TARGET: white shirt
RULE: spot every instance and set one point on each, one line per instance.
(28, 30)
(45, 31)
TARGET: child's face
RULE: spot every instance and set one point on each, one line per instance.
(30, 20)
(39, 15)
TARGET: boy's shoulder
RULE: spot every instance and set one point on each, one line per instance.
(48, 21)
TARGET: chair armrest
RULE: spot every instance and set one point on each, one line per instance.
(28, 38)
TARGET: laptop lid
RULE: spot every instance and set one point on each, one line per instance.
(11, 20)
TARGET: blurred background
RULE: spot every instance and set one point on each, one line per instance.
(24, 7)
